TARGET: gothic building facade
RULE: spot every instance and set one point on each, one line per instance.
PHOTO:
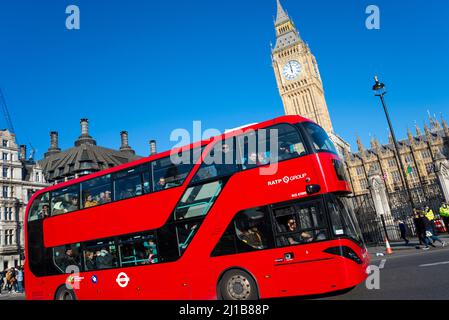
(418, 154)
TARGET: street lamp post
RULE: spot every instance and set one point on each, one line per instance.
(379, 89)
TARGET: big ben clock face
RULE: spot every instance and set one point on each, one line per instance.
(292, 70)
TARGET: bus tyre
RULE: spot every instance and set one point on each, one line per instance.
(64, 294)
(238, 285)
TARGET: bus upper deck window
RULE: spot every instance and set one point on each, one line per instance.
(132, 182)
(289, 143)
(65, 200)
(96, 191)
(40, 208)
(220, 161)
(256, 148)
(168, 174)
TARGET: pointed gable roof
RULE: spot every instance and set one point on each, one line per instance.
(281, 14)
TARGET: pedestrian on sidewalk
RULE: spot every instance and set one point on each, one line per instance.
(403, 230)
(20, 279)
(444, 213)
(420, 228)
(11, 279)
(430, 232)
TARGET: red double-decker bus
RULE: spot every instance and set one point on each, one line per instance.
(269, 221)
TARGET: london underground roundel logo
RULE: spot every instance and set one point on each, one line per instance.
(122, 279)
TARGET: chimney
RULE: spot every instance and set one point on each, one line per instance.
(84, 127)
(54, 140)
(124, 140)
(23, 152)
(124, 147)
(153, 149)
(85, 138)
(53, 144)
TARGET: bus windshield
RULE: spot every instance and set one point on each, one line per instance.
(343, 220)
(319, 138)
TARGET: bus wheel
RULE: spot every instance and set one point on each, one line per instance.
(238, 285)
(64, 294)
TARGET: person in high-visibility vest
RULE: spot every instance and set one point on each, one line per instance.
(444, 213)
(429, 214)
(431, 217)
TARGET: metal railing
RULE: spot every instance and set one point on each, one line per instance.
(375, 228)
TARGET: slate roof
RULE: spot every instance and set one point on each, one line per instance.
(82, 158)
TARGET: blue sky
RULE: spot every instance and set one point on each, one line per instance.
(153, 66)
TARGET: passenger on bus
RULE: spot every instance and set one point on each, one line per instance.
(73, 204)
(152, 252)
(306, 237)
(104, 259)
(129, 192)
(44, 212)
(252, 161)
(90, 202)
(285, 152)
(160, 185)
(107, 195)
(69, 259)
(292, 227)
(90, 260)
(262, 158)
(102, 199)
(58, 208)
(152, 257)
(227, 164)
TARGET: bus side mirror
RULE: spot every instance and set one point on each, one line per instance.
(313, 188)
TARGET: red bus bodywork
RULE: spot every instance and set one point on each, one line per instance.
(196, 274)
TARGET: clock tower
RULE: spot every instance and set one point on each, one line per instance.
(297, 75)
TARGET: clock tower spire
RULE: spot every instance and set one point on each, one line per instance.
(297, 75)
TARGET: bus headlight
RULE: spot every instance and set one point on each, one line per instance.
(313, 188)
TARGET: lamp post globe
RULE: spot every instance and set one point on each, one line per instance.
(379, 87)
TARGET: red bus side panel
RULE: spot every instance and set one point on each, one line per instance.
(123, 217)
